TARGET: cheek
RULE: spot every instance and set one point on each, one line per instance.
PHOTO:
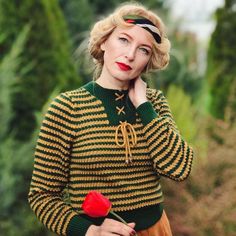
(143, 63)
(111, 52)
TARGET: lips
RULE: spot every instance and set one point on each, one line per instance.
(123, 66)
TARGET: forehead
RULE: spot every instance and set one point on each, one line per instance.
(136, 33)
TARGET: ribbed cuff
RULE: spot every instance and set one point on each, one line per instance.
(78, 226)
(146, 112)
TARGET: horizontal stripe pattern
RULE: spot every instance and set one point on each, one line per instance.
(76, 149)
(171, 154)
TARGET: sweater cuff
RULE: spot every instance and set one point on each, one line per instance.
(78, 226)
(146, 112)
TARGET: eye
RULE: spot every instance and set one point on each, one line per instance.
(145, 51)
(123, 39)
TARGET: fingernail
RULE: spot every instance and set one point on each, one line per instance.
(133, 233)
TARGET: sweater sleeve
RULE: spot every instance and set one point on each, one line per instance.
(172, 156)
(51, 170)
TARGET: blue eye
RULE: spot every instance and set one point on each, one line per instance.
(145, 51)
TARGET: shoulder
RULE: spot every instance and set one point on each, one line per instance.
(75, 96)
(76, 100)
(65, 101)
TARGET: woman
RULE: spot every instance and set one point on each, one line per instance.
(113, 135)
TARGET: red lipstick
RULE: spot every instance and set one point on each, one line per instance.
(123, 66)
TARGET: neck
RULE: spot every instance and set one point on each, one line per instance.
(112, 83)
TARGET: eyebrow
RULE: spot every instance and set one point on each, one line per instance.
(143, 44)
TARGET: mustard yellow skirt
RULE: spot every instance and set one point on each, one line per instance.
(161, 228)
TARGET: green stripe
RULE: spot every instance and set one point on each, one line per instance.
(105, 179)
(49, 154)
(60, 149)
(54, 134)
(167, 155)
(39, 178)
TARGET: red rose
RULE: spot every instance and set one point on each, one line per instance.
(96, 205)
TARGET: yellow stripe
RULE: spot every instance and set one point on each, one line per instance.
(53, 125)
(49, 170)
(63, 122)
(86, 104)
(91, 145)
(141, 171)
(55, 105)
(165, 149)
(142, 188)
(62, 99)
(48, 150)
(176, 159)
(88, 116)
(39, 185)
(46, 178)
(92, 110)
(136, 206)
(56, 112)
(128, 198)
(48, 157)
(48, 160)
(62, 148)
(129, 207)
(180, 168)
(108, 133)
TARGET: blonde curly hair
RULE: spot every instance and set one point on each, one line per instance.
(103, 28)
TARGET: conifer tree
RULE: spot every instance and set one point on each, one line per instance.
(79, 16)
(221, 64)
(47, 54)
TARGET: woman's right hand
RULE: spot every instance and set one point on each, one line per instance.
(111, 227)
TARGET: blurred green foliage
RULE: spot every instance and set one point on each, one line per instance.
(8, 68)
(37, 41)
(221, 71)
(46, 58)
(79, 15)
(15, 156)
(186, 119)
(183, 69)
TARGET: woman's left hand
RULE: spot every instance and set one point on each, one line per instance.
(137, 91)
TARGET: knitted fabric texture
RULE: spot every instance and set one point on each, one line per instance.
(77, 148)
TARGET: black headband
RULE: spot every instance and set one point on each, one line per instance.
(145, 24)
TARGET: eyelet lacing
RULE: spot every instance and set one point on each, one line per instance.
(129, 137)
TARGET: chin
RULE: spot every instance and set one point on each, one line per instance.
(124, 79)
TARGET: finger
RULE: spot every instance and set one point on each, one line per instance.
(117, 227)
(132, 225)
(125, 230)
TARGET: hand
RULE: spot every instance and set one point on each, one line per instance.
(137, 91)
(111, 227)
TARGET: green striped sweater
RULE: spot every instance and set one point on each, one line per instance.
(81, 148)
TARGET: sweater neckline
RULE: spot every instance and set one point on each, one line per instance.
(116, 102)
(103, 90)
(106, 95)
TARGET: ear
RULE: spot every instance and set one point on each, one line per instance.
(103, 46)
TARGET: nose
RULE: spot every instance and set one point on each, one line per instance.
(130, 54)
